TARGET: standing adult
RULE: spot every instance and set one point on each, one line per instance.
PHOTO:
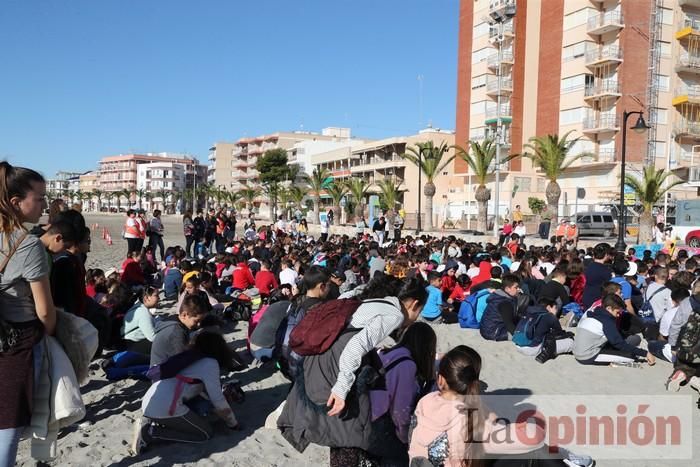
(26, 306)
(199, 229)
(155, 234)
(378, 228)
(517, 214)
(141, 221)
(596, 274)
(132, 232)
(398, 225)
(188, 231)
(543, 229)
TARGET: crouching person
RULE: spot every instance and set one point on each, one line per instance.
(598, 342)
(167, 416)
(539, 333)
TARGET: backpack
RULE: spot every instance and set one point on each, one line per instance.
(525, 330)
(689, 341)
(322, 324)
(472, 309)
(646, 311)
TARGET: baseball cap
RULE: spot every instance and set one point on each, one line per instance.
(632, 270)
(110, 271)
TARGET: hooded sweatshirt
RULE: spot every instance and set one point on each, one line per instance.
(399, 397)
(596, 329)
(437, 416)
(171, 338)
(686, 307)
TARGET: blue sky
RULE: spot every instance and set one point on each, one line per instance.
(83, 79)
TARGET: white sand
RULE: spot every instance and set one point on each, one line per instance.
(104, 436)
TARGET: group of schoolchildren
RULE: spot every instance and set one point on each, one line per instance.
(349, 322)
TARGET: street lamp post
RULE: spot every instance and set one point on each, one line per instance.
(639, 127)
(420, 170)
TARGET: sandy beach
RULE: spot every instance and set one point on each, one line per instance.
(102, 438)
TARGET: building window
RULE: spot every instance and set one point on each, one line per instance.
(541, 185)
(573, 83)
(571, 116)
(577, 18)
(663, 82)
(481, 54)
(666, 16)
(659, 149)
(661, 116)
(574, 51)
(478, 108)
(664, 48)
(478, 81)
(523, 184)
(481, 29)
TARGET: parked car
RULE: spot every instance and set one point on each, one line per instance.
(693, 239)
(595, 223)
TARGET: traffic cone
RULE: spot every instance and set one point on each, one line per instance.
(109, 240)
(104, 233)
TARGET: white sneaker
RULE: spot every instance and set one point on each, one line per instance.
(271, 420)
(694, 383)
(141, 436)
(674, 382)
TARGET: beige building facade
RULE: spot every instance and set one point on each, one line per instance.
(576, 66)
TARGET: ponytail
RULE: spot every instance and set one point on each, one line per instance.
(14, 182)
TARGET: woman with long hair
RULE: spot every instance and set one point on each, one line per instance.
(27, 311)
(188, 231)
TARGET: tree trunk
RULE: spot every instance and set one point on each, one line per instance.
(646, 224)
(317, 208)
(429, 192)
(553, 193)
(482, 196)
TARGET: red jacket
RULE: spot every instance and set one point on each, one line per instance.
(265, 282)
(242, 277)
(448, 283)
(132, 273)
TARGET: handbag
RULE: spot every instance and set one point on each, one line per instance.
(9, 335)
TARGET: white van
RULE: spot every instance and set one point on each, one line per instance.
(595, 223)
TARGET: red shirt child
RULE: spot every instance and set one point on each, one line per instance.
(242, 277)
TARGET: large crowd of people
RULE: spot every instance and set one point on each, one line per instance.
(347, 319)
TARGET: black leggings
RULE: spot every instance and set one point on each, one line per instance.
(156, 241)
(132, 245)
(189, 240)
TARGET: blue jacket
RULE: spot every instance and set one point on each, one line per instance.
(432, 310)
(172, 283)
(493, 327)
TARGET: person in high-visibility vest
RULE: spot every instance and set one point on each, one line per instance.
(571, 232)
(132, 232)
(561, 230)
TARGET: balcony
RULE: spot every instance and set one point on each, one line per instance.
(688, 27)
(686, 95)
(688, 63)
(690, 3)
(606, 123)
(685, 128)
(508, 30)
(602, 89)
(492, 115)
(502, 8)
(506, 88)
(605, 22)
(492, 62)
(603, 155)
(212, 156)
(239, 164)
(604, 55)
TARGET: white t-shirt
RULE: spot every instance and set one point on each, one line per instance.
(661, 302)
(666, 319)
(288, 276)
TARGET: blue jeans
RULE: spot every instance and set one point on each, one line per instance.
(9, 440)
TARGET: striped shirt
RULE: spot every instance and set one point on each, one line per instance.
(376, 320)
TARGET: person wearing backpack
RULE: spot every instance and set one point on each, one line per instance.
(472, 309)
(540, 335)
(408, 374)
(168, 418)
(657, 297)
(500, 316)
(172, 334)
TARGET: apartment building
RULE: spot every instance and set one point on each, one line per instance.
(232, 165)
(163, 181)
(118, 173)
(531, 68)
(62, 183)
(381, 160)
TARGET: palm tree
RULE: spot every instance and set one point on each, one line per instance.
(317, 184)
(162, 194)
(429, 159)
(480, 157)
(140, 193)
(97, 193)
(297, 194)
(337, 191)
(231, 197)
(249, 195)
(285, 198)
(358, 188)
(122, 193)
(389, 192)
(649, 190)
(550, 153)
